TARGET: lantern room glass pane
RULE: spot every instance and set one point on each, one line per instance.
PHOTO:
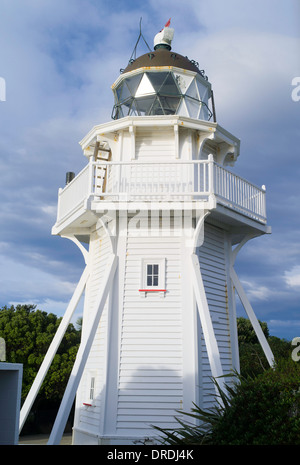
(156, 108)
(204, 113)
(144, 104)
(133, 110)
(203, 91)
(182, 110)
(169, 104)
(124, 92)
(169, 86)
(133, 83)
(126, 106)
(157, 79)
(192, 107)
(145, 87)
(183, 81)
(192, 90)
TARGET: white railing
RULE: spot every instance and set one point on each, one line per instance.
(237, 193)
(74, 194)
(163, 180)
(179, 180)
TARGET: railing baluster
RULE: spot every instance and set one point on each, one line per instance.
(158, 179)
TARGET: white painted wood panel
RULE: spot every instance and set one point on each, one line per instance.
(155, 143)
(150, 385)
(89, 417)
(212, 261)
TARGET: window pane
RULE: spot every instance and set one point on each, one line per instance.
(182, 109)
(126, 107)
(133, 110)
(145, 87)
(92, 388)
(125, 93)
(144, 105)
(183, 81)
(133, 83)
(169, 87)
(155, 280)
(169, 104)
(203, 91)
(193, 107)
(157, 79)
(155, 108)
(192, 90)
(149, 280)
(155, 269)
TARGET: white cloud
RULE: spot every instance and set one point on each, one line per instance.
(59, 63)
(255, 291)
(292, 277)
(22, 282)
(284, 323)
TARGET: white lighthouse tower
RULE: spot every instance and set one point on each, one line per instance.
(160, 219)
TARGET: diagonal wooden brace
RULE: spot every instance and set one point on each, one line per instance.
(82, 355)
(53, 348)
(256, 326)
(206, 323)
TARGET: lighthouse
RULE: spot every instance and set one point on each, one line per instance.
(160, 216)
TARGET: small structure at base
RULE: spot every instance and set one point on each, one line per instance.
(10, 402)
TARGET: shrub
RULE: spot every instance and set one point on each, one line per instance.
(264, 410)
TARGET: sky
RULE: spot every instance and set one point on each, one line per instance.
(58, 60)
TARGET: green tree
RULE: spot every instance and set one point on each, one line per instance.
(246, 333)
(252, 358)
(28, 333)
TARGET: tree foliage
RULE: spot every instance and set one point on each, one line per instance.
(261, 408)
(252, 358)
(28, 333)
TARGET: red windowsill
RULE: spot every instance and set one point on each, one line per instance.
(152, 290)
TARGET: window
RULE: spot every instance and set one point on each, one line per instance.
(161, 93)
(153, 275)
(92, 388)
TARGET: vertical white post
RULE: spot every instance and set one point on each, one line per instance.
(82, 355)
(132, 141)
(92, 178)
(211, 183)
(176, 140)
(53, 348)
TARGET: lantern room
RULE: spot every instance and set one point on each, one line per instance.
(162, 82)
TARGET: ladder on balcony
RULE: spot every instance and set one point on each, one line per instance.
(101, 154)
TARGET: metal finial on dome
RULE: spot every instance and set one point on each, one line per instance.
(164, 38)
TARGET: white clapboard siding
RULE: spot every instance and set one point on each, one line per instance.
(150, 377)
(89, 417)
(213, 269)
(155, 144)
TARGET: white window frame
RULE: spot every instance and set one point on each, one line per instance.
(161, 286)
(90, 389)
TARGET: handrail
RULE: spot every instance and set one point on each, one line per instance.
(174, 179)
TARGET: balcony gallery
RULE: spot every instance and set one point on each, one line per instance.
(128, 184)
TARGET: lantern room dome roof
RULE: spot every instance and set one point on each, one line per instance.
(162, 57)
